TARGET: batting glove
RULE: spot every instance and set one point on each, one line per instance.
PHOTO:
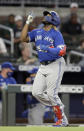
(29, 19)
(44, 47)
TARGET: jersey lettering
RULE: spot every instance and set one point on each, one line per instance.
(38, 37)
(49, 39)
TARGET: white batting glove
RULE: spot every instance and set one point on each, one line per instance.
(29, 19)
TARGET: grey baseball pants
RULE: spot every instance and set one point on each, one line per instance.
(47, 82)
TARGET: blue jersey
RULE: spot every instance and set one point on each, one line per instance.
(49, 38)
(9, 80)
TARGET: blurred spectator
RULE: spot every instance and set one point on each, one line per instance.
(7, 70)
(3, 50)
(26, 53)
(17, 34)
(6, 78)
(9, 23)
(81, 47)
(72, 27)
(73, 8)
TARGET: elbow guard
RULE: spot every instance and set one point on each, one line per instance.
(62, 51)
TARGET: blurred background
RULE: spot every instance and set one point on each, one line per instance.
(23, 57)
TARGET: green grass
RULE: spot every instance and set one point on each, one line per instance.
(41, 128)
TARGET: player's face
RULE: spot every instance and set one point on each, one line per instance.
(48, 15)
(45, 22)
(44, 17)
(9, 70)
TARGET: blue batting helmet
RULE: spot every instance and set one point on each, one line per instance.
(54, 19)
(7, 65)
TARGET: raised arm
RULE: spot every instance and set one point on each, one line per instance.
(24, 33)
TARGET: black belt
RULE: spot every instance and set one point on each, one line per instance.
(47, 62)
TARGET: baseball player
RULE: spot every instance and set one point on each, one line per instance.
(51, 49)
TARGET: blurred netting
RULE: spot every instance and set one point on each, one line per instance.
(41, 2)
(28, 2)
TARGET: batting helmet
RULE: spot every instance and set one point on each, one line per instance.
(53, 19)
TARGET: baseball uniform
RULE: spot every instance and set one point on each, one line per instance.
(50, 47)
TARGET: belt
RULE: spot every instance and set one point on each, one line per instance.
(47, 62)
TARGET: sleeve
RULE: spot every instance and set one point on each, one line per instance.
(58, 39)
(31, 35)
(59, 46)
(13, 81)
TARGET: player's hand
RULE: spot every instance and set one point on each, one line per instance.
(29, 19)
(44, 47)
